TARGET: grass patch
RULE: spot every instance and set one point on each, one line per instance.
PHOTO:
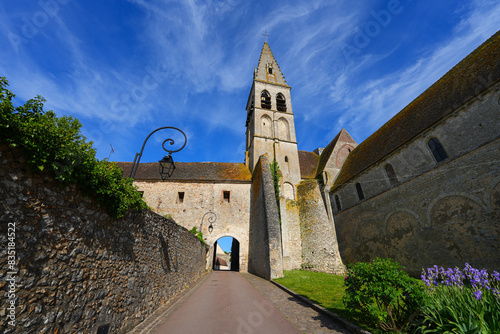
(326, 290)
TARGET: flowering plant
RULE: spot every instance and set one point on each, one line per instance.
(461, 301)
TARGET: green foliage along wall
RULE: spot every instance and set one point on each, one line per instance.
(56, 144)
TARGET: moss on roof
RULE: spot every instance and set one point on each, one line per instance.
(474, 74)
(192, 171)
(308, 162)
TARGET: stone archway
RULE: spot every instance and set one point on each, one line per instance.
(227, 258)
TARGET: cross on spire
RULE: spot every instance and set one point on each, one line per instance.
(265, 34)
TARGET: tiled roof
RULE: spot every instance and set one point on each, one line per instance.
(192, 171)
(477, 72)
(342, 136)
(308, 162)
(220, 261)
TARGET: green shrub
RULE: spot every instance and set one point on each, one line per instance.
(55, 144)
(384, 292)
(198, 234)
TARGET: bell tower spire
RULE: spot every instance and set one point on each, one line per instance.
(270, 120)
(268, 70)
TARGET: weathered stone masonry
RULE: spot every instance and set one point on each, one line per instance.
(80, 269)
(398, 196)
(265, 254)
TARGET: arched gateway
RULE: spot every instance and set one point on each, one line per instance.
(227, 256)
(242, 195)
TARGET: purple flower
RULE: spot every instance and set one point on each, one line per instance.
(478, 294)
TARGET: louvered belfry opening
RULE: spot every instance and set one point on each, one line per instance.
(265, 100)
(280, 102)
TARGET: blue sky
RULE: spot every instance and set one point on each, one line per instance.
(125, 68)
(225, 243)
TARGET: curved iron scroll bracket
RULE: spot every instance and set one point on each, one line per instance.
(138, 156)
(212, 218)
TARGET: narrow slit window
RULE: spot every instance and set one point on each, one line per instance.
(226, 196)
(180, 197)
(437, 150)
(359, 190)
(337, 202)
(393, 179)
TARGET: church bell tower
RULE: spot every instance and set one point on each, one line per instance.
(270, 126)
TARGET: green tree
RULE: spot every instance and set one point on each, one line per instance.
(56, 145)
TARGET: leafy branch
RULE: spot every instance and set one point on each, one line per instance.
(55, 144)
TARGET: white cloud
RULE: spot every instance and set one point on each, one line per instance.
(372, 103)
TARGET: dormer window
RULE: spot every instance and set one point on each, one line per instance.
(265, 100)
(280, 102)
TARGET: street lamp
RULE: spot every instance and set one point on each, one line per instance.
(167, 165)
(212, 218)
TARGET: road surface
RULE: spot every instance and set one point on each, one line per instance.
(226, 303)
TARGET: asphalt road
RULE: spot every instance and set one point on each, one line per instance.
(226, 303)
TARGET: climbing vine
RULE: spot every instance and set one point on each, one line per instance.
(276, 173)
(198, 234)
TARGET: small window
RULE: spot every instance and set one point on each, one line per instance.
(437, 150)
(280, 102)
(226, 196)
(391, 174)
(286, 158)
(359, 190)
(265, 100)
(180, 197)
(270, 68)
(337, 202)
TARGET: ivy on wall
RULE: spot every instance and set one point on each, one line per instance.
(276, 173)
(55, 144)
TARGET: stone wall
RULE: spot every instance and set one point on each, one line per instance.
(445, 217)
(233, 214)
(319, 244)
(77, 269)
(291, 237)
(433, 213)
(265, 255)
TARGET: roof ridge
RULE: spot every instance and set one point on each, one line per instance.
(454, 89)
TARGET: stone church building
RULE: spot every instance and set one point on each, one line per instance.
(423, 189)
